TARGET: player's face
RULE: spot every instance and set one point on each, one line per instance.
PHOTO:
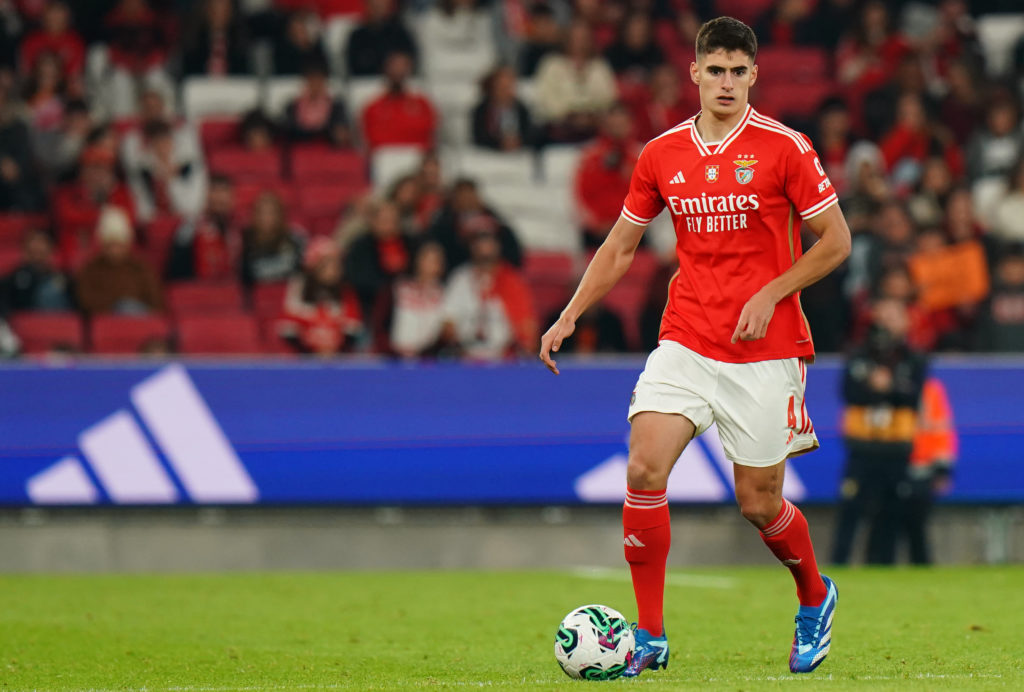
(724, 79)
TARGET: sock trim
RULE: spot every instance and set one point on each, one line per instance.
(781, 522)
(646, 499)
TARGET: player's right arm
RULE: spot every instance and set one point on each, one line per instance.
(611, 261)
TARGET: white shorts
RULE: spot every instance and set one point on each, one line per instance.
(759, 407)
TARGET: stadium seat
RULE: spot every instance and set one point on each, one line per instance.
(218, 132)
(205, 96)
(13, 226)
(748, 11)
(226, 333)
(785, 102)
(159, 237)
(280, 91)
(497, 167)
(320, 205)
(335, 39)
(267, 299)
(320, 163)
(454, 101)
(243, 165)
(559, 163)
(41, 332)
(124, 334)
(204, 297)
(551, 276)
(10, 257)
(790, 65)
(998, 34)
(388, 164)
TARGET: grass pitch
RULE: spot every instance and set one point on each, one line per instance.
(729, 629)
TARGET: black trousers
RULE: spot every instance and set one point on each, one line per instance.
(874, 489)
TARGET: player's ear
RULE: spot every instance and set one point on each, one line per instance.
(694, 73)
(753, 74)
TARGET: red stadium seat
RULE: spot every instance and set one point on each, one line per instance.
(41, 332)
(14, 225)
(124, 334)
(748, 11)
(320, 205)
(204, 297)
(322, 164)
(219, 334)
(790, 65)
(551, 276)
(800, 101)
(218, 132)
(159, 237)
(247, 192)
(247, 166)
(267, 299)
(10, 257)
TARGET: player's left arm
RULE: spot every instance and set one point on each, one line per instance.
(832, 248)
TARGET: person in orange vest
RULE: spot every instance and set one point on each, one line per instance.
(931, 465)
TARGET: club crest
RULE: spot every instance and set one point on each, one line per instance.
(745, 171)
(710, 173)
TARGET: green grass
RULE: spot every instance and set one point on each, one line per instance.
(730, 629)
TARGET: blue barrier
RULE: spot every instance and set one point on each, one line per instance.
(354, 433)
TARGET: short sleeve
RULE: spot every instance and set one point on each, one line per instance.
(644, 200)
(807, 186)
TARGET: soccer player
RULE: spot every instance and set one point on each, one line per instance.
(734, 341)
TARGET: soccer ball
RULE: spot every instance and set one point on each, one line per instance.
(594, 642)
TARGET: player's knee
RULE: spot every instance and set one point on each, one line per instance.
(756, 507)
(644, 473)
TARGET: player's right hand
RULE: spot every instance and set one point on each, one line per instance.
(552, 340)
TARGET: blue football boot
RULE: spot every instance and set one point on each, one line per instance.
(813, 636)
(648, 652)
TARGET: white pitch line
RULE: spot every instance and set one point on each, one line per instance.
(699, 581)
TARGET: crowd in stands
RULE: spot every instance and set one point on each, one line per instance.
(427, 178)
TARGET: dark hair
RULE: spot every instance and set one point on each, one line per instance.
(728, 34)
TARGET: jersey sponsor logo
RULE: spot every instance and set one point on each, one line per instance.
(712, 204)
(711, 173)
(677, 179)
(119, 451)
(824, 185)
(744, 172)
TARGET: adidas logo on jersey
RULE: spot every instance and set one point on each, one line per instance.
(677, 178)
(122, 453)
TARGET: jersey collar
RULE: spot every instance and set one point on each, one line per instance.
(729, 138)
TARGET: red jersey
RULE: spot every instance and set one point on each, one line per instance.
(736, 206)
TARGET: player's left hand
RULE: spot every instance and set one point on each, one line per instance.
(754, 317)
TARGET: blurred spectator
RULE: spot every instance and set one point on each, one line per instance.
(298, 45)
(931, 466)
(36, 283)
(321, 312)
(381, 34)
(417, 306)
(271, 250)
(11, 26)
(832, 140)
(666, 106)
(634, 54)
(952, 37)
(573, 88)
(432, 192)
(1002, 323)
(928, 199)
(9, 342)
(868, 55)
(961, 109)
(77, 205)
(654, 303)
(882, 387)
(543, 36)
(57, 37)
(218, 45)
(45, 92)
(115, 280)
(138, 43)
(407, 195)
(464, 214)
(598, 330)
(785, 24)
(58, 151)
(316, 115)
(166, 174)
(377, 257)
(399, 116)
(453, 29)
(602, 18)
(20, 184)
(501, 121)
(487, 304)
(911, 140)
(208, 247)
(602, 179)
(994, 150)
(1008, 219)
(257, 131)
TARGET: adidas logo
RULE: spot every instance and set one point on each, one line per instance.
(678, 178)
(792, 562)
(633, 541)
(128, 468)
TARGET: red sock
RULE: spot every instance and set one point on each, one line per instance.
(647, 535)
(790, 541)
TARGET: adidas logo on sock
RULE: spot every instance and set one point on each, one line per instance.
(633, 542)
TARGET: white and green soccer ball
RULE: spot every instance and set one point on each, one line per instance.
(594, 642)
